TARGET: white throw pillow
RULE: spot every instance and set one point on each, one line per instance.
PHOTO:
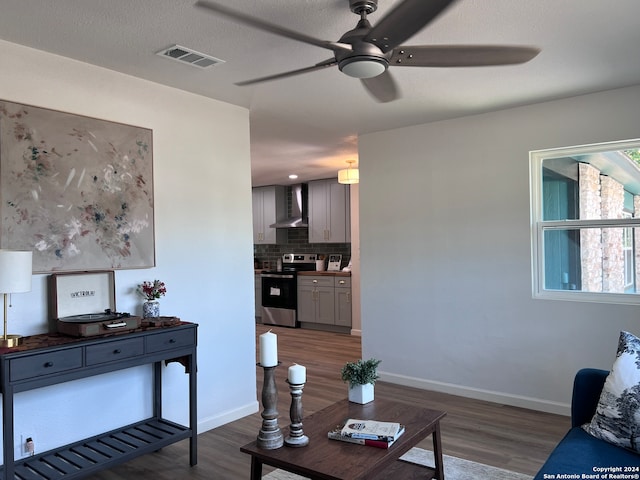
(617, 417)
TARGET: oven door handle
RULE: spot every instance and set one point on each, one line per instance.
(274, 275)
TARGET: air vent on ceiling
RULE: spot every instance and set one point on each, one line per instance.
(187, 55)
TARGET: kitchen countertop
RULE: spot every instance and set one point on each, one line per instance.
(313, 272)
(325, 273)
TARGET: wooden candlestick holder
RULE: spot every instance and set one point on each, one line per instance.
(270, 436)
(296, 437)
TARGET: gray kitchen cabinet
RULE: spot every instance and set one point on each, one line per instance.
(343, 301)
(325, 300)
(306, 304)
(316, 299)
(258, 295)
(269, 206)
(329, 212)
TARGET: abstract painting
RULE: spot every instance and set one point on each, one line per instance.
(77, 191)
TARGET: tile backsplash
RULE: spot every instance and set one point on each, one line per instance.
(298, 242)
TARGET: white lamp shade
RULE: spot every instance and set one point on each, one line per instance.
(16, 270)
(348, 175)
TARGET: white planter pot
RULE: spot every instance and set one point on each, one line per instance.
(361, 393)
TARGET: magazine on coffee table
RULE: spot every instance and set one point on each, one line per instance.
(336, 434)
(371, 429)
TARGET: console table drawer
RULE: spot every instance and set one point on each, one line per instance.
(112, 351)
(45, 364)
(168, 340)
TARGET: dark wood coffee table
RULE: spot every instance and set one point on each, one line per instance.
(334, 460)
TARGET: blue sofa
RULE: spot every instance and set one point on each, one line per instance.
(580, 453)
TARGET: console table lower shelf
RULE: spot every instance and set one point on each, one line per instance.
(103, 451)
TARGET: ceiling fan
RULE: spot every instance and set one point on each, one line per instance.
(367, 51)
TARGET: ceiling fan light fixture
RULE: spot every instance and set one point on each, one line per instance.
(363, 67)
(349, 175)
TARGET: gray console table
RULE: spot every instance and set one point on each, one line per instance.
(51, 359)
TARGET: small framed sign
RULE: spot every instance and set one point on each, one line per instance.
(335, 261)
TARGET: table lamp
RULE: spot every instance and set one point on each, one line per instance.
(16, 269)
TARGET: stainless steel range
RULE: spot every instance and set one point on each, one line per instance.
(280, 289)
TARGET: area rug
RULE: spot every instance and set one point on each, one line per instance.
(454, 468)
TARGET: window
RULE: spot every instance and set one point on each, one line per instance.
(585, 218)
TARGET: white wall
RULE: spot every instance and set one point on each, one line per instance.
(203, 236)
(446, 259)
(354, 205)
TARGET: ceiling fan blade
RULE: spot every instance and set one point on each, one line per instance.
(270, 27)
(318, 66)
(461, 55)
(404, 21)
(383, 88)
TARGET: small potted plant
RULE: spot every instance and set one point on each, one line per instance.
(361, 376)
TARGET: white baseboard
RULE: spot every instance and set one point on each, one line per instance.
(479, 394)
(226, 417)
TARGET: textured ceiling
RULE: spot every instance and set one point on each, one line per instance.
(308, 124)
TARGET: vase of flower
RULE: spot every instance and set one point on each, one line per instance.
(151, 292)
(151, 309)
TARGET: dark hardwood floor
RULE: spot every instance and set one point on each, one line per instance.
(507, 437)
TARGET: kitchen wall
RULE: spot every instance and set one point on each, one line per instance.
(202, 184)
(298, 242)
(446, 255)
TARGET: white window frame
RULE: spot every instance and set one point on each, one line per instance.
(538, 226)
(628, 251)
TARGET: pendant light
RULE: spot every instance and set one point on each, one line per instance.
(349, 175)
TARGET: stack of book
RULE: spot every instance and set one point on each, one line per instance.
(367, 432)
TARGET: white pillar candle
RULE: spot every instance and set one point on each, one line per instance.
(268, 349)
(297, 374)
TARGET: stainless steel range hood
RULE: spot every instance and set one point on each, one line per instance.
(298, 214)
